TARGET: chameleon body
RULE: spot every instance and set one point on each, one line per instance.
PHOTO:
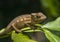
(24, 20)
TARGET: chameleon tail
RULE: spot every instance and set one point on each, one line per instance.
(5, 31)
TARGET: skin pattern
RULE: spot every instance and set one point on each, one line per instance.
(24, 20)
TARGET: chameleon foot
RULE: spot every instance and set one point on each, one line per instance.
(17, 30)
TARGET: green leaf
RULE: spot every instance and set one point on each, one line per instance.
(28, 29)
(25, 28)
(20, 37)
(32, 30)
(2, 30)
(51, 37)
(4, 36)
(54, 25)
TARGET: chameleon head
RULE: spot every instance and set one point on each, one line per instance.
(38, 17)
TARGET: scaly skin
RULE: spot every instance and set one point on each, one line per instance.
(23, 21)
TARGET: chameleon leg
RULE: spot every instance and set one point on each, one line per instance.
(27, 24)
(31, 26)
(17, 30)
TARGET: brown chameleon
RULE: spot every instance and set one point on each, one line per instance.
(23, 21)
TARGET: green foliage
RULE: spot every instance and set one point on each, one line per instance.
(54, 25)
(50, 7)
(51, 36)
(3, 36)
(28, 29)
(20, 37)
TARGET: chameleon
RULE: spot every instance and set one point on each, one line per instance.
(24, 21)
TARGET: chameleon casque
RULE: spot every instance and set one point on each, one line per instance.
(23, 21)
